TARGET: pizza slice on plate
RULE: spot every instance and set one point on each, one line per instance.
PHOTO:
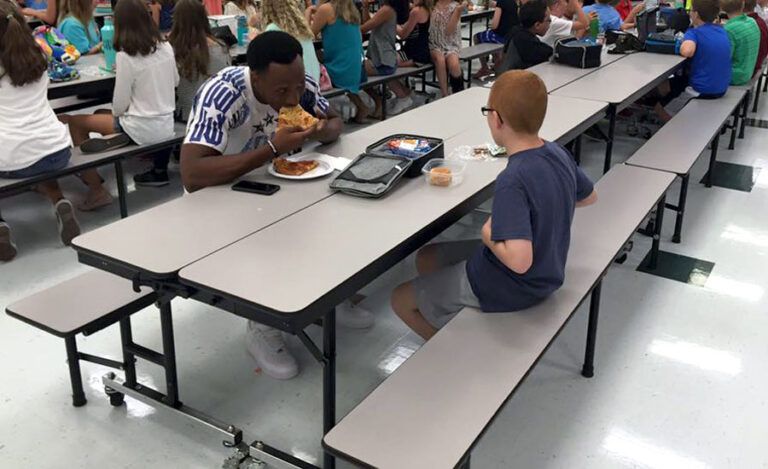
(294, 168)
(295, 117)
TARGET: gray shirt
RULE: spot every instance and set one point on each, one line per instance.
(185, 93)
(381, 44)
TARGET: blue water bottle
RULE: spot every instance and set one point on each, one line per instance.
(242, 30)
(108, 43)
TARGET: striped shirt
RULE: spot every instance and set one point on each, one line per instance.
(745, 44)
(227, 117)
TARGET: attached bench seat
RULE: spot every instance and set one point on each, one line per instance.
(468, 54)
(84, 304)
(81, 161)
(432, 410)
(677, 146)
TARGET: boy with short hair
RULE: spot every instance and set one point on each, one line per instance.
(709, 50)
(610, 20)
(534, 23)
(750, 8)
(745, 41)
(520, 260)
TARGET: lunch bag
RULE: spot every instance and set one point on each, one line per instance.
(55, 45)
(371, 176)
(578, 53)
(662, 43)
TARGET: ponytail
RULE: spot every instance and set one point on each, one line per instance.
(20, 57)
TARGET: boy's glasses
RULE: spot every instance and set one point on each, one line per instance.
(485, 110)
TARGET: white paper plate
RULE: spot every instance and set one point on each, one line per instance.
(323, 169)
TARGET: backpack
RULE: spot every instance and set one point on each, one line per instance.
(55, 45)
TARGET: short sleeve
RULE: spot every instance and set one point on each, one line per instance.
(272, 27)
(312, 100)
(511, 215)
(74, 32)
(560, 27)
(208, 122)
(690, 35)
(584, 186)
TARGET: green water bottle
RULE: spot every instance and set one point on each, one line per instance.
(594, 28)
(108, 43)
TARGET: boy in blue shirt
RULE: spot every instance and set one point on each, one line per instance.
(708, 49)
(609, 17)
(520, 259)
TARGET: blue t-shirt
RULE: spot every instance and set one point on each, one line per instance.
(711, 64)
(607, 15)
(74, 31)
(534, 199)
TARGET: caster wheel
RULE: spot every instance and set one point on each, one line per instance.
(676, 239)
(632, 131)
(620, 260)
(116, 399)
(647, 134)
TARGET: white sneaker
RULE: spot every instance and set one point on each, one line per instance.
(69, 228)
(399, 105)
(267, 347)
(353, 316)
(7, 246)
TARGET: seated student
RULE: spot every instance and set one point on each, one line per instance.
(162, 14)
(624, 7)
(213, 7)
(534, 23)
(745, 41)
(520, 259)
(199, 56)
(709, 50)
(382, 49)
(279, 15)
(338, 21)
(214, 153)
(49, 14)
(561, 26)
(34, 142)
(445, 44)
(144, 98)
(505, 17)
(749, 7)
(415, 50)
(762, 9)
(245, 8)
(610, 20)
(78, 27)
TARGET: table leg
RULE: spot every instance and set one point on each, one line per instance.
(588, 370)
(75, 377)
(577, 150)
(734, 128)
(744, 112)
(121, 189)
(329, 380)
(384, 101)
(681, 209)
(660, 207)
(713, 160)
(757, 92)
(129, 359)
(169, 355)
(611, 130)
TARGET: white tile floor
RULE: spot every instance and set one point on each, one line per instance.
(680, 380)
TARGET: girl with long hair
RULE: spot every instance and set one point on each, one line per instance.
(283, 15)
(198, 57)
(415, 49)
(34, 141)
(445, 43)
(247, 8)
(144, 98)
(78, 26)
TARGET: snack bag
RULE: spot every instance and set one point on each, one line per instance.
(55, 45)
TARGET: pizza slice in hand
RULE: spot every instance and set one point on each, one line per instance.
(295, 117)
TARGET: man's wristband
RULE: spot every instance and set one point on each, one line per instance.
(273, 148)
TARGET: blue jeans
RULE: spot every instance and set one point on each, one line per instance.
(53, 162)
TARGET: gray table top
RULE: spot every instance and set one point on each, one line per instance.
(557, 75)
(623, 79)
(426, 391)
(343, 230)
(678, 144)
(91, 70)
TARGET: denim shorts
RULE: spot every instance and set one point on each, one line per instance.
(53, 162)
(384, 70)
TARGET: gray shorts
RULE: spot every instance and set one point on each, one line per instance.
(442, 294)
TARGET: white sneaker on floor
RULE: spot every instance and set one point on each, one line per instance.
(69, 228)
(353, 316)
(7, 246)
(399, 105)
(267, 347)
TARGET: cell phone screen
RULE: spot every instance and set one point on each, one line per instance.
(256, 187)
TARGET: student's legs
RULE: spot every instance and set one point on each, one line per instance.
(405, 306)
(399, 88)
(438, 59)
(362, 109)
(80, 127)
(455, 72)
(480, 39)
(371, 71)
(7, 246)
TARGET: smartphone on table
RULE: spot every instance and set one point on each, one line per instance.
(256, 187)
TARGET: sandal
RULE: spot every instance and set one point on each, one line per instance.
(93, 202)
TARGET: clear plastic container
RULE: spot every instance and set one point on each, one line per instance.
(444, 173)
